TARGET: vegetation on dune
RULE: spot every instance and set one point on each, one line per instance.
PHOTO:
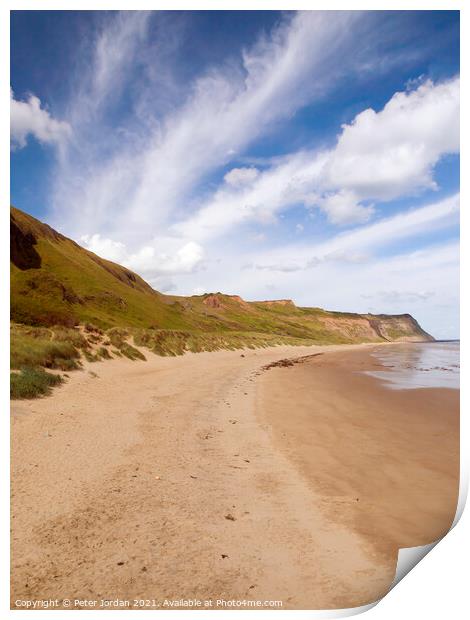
(119, 339)
(32, 382)
(34, 349)
(171, 342)
(47, 348)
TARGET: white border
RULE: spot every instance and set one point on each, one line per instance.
(437, 587)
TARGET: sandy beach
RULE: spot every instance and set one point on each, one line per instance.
(210, 476)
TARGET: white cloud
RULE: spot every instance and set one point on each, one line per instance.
(148, 261)
(357, 247)
(284, 267)
(400, 297)
(184, 260)
(29, 118)
(102, 63)
(238, 177)
(106, 248)
(386, 154)
(164, 285)
(406, 224)
(199, 290)
(348, 256)
(344, 208)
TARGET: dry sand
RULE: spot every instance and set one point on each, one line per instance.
(206, 477)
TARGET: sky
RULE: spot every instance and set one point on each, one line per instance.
(304, 155)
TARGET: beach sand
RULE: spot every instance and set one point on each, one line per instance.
(208, 477)
(385, 461)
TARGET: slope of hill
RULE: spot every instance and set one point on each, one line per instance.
(58, 287)
(55, 281)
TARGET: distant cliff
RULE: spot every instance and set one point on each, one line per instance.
(399, 328)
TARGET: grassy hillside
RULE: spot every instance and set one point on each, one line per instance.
(55, 281)
(68, 304)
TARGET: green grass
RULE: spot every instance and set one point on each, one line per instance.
(172, 343)
(43, 347)
(32, 383)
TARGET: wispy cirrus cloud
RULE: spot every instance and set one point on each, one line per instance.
(360, 245)
(400, 297)
(154, 170)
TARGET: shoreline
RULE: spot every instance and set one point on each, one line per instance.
(384, 460)
(164, 479)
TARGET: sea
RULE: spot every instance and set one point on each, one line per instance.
(419, 365)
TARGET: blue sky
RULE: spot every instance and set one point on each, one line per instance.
(312, 155)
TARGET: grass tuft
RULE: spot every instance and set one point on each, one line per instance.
(104, 353)
(118, 338)
(32, 383)
(131, 352)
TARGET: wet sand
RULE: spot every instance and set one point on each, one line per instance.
(386, 462)
(207, 477)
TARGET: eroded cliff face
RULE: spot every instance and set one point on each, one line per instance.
(369, 328)
(353, 328)
(399, 328)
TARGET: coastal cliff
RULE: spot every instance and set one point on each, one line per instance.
(54, 281)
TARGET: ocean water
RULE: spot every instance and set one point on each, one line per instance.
(419, 365)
